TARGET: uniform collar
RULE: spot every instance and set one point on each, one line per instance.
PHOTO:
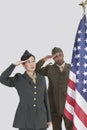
(28, 78)
(61, 67)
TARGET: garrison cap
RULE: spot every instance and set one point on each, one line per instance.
(26, 55)
(56, 49)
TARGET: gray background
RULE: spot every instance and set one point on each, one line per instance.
(36, 25)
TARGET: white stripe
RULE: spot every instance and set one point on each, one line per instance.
(81, 102)
(69, 108)
(78, 124)
(72, 76)
(71, 92)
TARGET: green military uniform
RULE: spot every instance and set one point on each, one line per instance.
(57, 92)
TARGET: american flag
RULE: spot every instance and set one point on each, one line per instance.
(76, 98)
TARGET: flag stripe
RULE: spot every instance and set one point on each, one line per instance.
(81, 115)
(71, 92)
(70, 100)
(71, 84)
(72, 76)
(78, 110)
(68, 114)
(78, 124)
(74, 128)
(81, 102)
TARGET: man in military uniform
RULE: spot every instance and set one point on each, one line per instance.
(57, 74)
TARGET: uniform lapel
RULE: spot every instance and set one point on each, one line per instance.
(27, 78)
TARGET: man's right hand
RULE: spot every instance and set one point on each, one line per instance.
(47, 57)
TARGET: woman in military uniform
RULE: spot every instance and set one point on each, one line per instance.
(33, 111)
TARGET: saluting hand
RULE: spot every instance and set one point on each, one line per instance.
(47, 57)
(53, 55)
(20, 62)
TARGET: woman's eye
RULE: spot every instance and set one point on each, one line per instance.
(28, 61)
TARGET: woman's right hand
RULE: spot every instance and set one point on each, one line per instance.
(19, 62)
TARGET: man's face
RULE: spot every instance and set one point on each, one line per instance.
(59, 58)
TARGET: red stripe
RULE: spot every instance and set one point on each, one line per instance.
(70, 100)
(74, 128)
(68, 114)
(81, 114)
(71, 84)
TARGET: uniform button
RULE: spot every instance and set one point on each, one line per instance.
(35, 87)
(35, 92)
(34, 99)
(34, 105)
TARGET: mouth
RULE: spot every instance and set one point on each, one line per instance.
(32, 67)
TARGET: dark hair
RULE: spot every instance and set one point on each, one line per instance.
(55, 50)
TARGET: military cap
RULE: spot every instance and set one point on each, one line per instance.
(26, 55)
(56, 49)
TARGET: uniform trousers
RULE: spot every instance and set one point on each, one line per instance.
(57, 122)
(31, 129)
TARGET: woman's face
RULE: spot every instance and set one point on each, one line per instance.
(30, 64)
